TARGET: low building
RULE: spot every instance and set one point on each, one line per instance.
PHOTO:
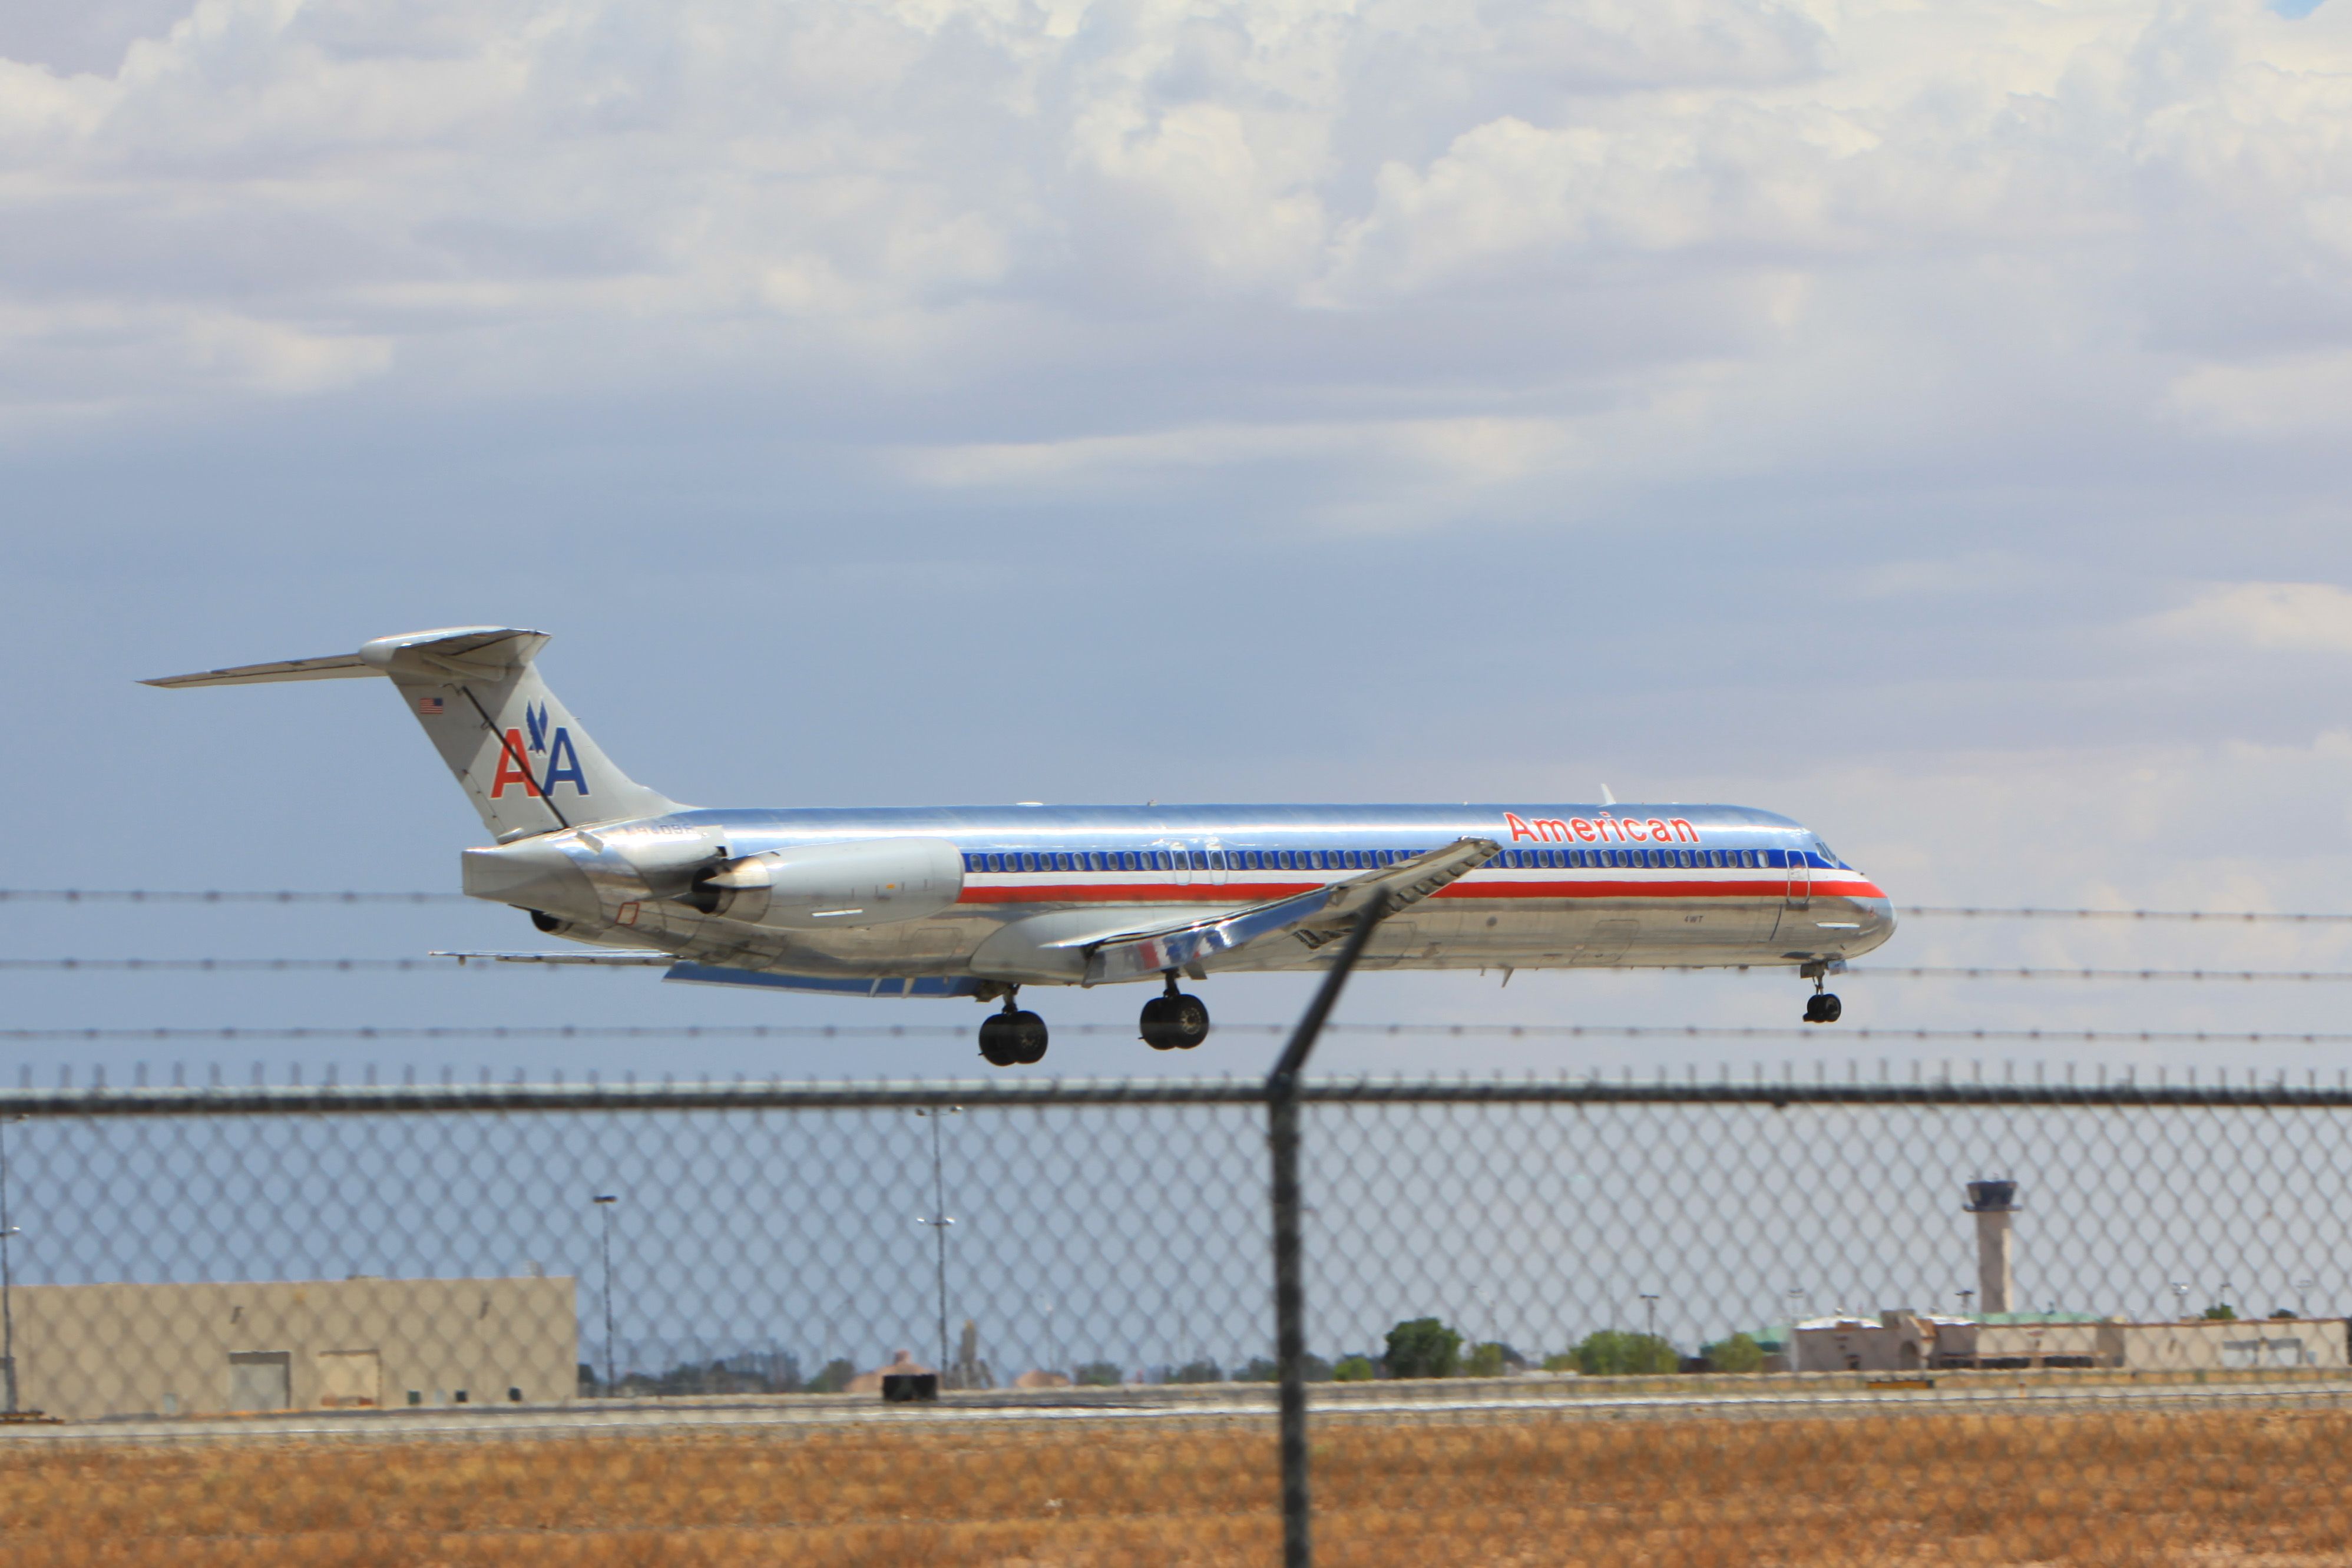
(1893, 1341)
(2011, 1341)
(2203, 1344)
(88, 1352)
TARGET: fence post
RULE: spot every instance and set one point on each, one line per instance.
(1289, 1287)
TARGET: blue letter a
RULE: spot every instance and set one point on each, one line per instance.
(563, 763)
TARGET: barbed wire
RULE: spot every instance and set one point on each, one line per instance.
(2242, 917)
(1990, 971)
(586, 960)
(216, 896)
(231, 965)
(358, 896)
(543, 1032)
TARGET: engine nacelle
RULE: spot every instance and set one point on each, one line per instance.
(867, 881)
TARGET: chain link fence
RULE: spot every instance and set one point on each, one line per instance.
(1546, 1322)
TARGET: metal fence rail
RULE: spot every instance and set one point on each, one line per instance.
(1728, 1321)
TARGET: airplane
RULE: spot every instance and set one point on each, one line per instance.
(981, 902)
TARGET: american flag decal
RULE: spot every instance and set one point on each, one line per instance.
(429, 706)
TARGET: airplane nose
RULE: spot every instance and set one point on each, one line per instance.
(531, 874)
(1877, 919)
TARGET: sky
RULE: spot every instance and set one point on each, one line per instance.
(1925, 421)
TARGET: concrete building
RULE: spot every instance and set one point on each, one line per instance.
(2023, 1340)
(1918, 1341)
(86, 1352)
(2201, 1345)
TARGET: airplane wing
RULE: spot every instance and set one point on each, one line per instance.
(1314, 918)
(634, 959)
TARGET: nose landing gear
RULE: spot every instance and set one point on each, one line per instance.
(1822, 1007)
(1014, 1038)
(1174, 1021)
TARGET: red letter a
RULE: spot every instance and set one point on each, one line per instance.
(513, 768)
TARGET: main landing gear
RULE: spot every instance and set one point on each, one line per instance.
(1822, 1007)
(1014, 1038)
(1174, 1021)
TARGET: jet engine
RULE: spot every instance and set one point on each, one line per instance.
(868, 881)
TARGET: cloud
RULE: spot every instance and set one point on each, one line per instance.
(1517, 260)
(2294, 618)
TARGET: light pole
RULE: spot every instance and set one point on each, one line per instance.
(604, 1202)
(8, 1277)
(939, 1220)
(2303, 1297)
(1649, 1304)
(2180, 1295)
(1966, 1297)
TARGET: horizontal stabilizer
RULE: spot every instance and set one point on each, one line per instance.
(1314, 918)
(468, 652)
(334, 666)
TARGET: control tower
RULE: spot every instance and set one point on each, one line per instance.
(1993, 1204)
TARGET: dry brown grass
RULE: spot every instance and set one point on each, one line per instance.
(2240, 1487)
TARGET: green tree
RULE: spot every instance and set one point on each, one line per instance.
(1423, 1347)
(1492, 1359)
(1202, 1371)
(834, 1376)
(1261, 1369)
(1099, 1374)
(1741, 1353)
(1613, 1352)
(1563, 1362)
(1353, 1369)
(2222, 1313)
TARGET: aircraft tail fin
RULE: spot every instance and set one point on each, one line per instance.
(526, 763)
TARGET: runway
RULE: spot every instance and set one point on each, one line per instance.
(1502, 1399)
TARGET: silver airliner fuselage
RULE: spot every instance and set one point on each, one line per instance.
(980, 901)
(1565, 887)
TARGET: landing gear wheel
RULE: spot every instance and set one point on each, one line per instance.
(1013, 1037)
(1824, 1009)
(1174, 1021)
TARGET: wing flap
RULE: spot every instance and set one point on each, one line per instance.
(1314, 918)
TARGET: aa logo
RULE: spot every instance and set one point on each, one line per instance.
(517, 763)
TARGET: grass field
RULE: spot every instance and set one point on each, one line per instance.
(2240, 1487)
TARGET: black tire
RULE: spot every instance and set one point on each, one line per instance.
(1028, 1038)
(1154, 1026)
(1831, 1008)
(1188, 1020)
(995, 1048)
